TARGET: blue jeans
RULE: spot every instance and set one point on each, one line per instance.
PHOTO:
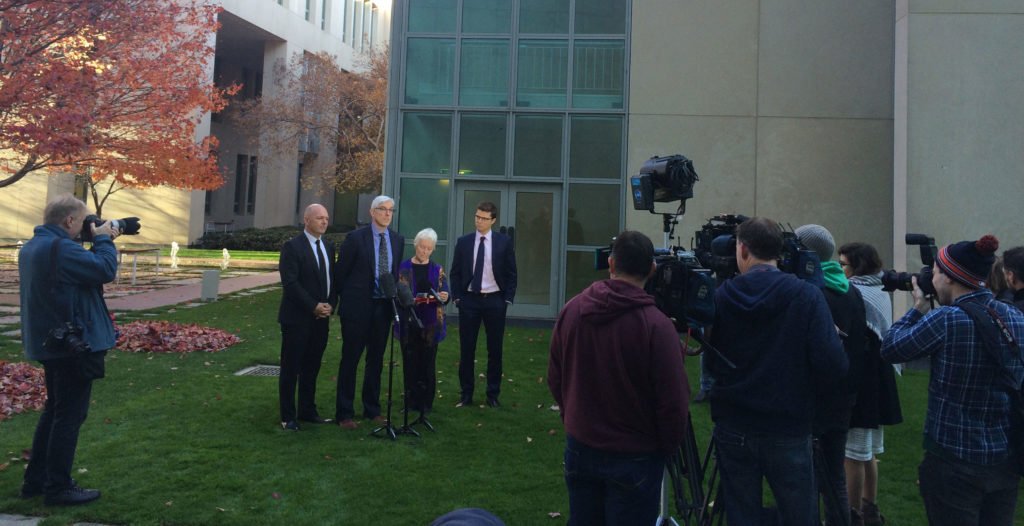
(962, 494)
(608, 488)
(785, 461)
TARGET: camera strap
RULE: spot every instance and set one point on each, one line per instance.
(64, 309)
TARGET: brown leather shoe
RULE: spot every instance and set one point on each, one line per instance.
(348, 423)
(379, 420)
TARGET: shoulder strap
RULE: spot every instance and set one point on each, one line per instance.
(63, 309)
(992, 329)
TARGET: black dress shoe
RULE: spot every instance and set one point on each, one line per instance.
(493, 402)
(290, 425)
(464, 401)
(72, 496)
(317, 420)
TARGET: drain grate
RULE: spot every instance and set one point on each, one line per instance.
(260, 370)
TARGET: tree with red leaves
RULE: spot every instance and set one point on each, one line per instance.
(112, 89)
(320, 102)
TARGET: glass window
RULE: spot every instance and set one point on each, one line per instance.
(542, 73)
(250, 203)
(544, 16)
(598, 71)
(430, 71)
(483, 73)
(607, 17)
(423, 203)
(595, 146)
(533, 245)
(538, 146)
(486, 16)
(432, 16)
(482, 144)
(595, 209)
(426, 142)
(579, 272)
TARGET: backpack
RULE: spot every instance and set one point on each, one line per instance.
(992, 329)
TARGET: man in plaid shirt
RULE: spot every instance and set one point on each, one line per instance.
(968, 475)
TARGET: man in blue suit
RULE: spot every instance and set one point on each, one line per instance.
(483, 279)
(366, 254)
(307, 303)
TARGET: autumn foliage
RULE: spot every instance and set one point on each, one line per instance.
(22, 388)
(344, 111)
(167, 337)
(111, 88)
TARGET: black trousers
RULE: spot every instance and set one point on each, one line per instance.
(302, 352)
(56, 436)
(371, 336)
(420, 372)
(490, 310)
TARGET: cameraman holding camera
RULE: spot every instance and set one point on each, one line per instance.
(66, 326)
(969, 475)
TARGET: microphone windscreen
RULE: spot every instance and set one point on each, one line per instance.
(387, 285)
(405, 298)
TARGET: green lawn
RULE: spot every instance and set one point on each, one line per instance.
(181, 440)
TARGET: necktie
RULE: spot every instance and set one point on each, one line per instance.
(478, 268)
(382, 257)
(323, 269)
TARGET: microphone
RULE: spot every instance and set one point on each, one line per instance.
(405, 299)
(387, 285)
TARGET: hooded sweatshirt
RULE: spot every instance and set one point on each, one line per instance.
(616, 371)
(778, 332)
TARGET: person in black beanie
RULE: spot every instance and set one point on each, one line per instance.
(968, 475)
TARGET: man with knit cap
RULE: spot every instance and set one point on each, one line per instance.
(616, 372)
(833, 410)
(778, 351)
(968, 474)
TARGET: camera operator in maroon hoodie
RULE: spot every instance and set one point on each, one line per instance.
(616, 371)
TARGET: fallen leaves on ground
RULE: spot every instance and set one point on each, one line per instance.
(22, 388)
(164, 336)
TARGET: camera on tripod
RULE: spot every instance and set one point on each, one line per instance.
(893, 280)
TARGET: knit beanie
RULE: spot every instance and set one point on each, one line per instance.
(969, 262)
(818, 239)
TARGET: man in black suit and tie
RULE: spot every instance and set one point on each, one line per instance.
(483, 278)
(366, 315)
(306, 306)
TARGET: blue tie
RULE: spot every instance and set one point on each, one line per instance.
(478, 268)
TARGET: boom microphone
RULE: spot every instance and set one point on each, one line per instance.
(387, 285)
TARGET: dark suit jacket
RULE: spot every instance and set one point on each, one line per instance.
(503, 263)
(354, 272)
(301, 281)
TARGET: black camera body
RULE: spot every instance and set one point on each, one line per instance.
(67, 338)
(715, 246)
(127, 225)
(893, 280)
(682, 288)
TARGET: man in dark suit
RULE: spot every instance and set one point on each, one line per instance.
(483, 278)
(306, 306)
(366, 314)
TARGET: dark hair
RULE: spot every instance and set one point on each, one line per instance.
(862, 257)
(996, 280)
(633, 253)
(762, 236)
(488, 207)
(1013, 260)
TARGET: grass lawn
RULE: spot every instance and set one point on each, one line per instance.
(180, 440)
(165, 251)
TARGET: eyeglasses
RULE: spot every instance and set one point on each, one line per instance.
(479, 218)
(383, 210)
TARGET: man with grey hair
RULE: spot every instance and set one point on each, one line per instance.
(366, 255)
(66, 326)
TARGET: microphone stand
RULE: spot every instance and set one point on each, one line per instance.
(406, 428)
(387, 428)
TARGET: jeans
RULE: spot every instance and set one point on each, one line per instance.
(785, 461)
(56, 436)
(608, 488)
(962, 494)
(829, 457)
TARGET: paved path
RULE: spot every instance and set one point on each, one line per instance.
(188, 293)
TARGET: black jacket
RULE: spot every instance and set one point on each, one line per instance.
(301, 282)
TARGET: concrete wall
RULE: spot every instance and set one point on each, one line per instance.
(785, 107)
(959, 120)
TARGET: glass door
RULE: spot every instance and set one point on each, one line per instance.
(529, 214)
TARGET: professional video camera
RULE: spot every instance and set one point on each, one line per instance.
(893, 280)
(715, 246)
(128, 225)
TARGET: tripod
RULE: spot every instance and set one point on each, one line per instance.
(388, 430)
(406, 428)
